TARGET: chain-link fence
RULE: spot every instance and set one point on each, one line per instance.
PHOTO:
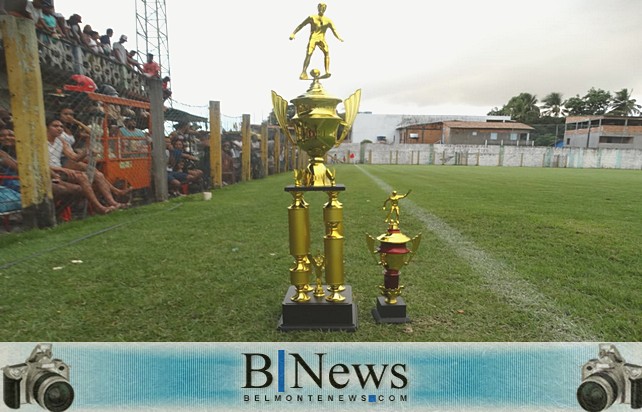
(99, 131)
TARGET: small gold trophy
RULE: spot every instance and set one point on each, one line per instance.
(316, 126)
(393, 254)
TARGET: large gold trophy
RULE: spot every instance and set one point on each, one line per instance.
(392, 253)
(317, 126)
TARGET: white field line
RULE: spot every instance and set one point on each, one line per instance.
(499, 278)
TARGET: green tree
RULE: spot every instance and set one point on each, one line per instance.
(576, 106)
(553, 105)
(624, 105)
(597, 101)
(523, 108)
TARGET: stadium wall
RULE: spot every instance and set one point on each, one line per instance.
(510, 156)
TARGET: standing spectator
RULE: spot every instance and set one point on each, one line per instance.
(74, 28)
(105, 42)
(151, 68)
(105, 47)
(48, 24)
(119, 51)
(131, 60)
(63, 27)
(167, 93)
(106, 38)
(34, 8)
(95, 42)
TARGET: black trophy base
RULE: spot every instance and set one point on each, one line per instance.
(318, 313)
(387, 313)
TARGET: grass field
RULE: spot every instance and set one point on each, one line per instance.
(508, 254)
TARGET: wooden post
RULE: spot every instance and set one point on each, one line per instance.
(159, 156)
(28, 108)
(293, 156)
(277, 151)
(246, 172)
(216, 162)
(286, 154)
(264, 148)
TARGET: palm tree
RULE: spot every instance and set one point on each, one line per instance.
(554, 105)
(624, 105)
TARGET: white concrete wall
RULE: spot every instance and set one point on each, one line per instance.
(511, 156)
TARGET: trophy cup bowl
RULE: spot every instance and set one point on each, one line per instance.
(316, 125)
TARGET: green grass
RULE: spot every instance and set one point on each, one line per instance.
(218, 270)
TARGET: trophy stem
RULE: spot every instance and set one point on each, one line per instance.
(333, 243)
(299, 231)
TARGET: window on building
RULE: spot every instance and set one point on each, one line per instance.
(568, 142)
(616, 139)
(513, 136)
(414, 135)
(493, 136)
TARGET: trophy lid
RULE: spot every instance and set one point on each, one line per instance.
(393, 236)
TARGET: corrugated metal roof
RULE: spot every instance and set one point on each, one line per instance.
(488, 125)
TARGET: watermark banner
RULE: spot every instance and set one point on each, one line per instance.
(321, 376)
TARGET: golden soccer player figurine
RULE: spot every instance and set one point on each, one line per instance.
(394, 199)
(318, 26)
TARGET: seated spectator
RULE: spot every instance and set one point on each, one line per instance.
(185, 164)
(151, 68)
(9, 183)
(10, 198)
(8, 164)
(57, 147)
(6, 118)
(76, 160)
(119, 51)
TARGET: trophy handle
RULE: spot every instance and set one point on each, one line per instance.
(280, 106)
(351, 105)
(371, 247)
(415, 245)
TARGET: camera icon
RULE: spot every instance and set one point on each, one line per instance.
(41, 379)
(608, 380)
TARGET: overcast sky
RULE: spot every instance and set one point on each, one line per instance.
(407, 56)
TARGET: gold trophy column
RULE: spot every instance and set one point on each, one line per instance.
(299, 229)
(333, 247)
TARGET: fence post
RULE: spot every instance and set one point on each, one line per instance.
(28, 108)
(277, 151)
(246, 171)
(216, 162)
(264, 148)
(159, 157)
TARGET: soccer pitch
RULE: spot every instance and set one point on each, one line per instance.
(508, 254)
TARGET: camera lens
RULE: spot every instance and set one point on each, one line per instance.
(53, 392)
(597, 392)
(58, 396)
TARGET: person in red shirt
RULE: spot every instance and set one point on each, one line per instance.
(151, 68)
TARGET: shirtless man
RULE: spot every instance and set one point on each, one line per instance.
(318, 26)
